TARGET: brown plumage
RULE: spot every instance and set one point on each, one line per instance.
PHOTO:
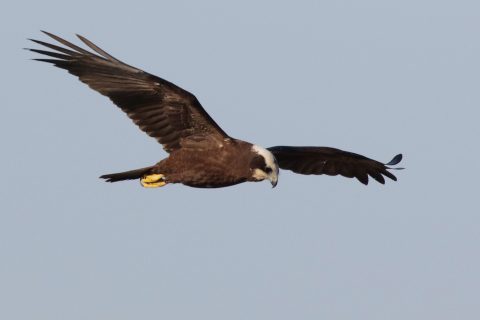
(201, 153)
(331, 161)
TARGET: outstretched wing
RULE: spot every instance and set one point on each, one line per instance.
(161, 109)
(331, 161)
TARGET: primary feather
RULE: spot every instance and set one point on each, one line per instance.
(163, 110)
(331, 161)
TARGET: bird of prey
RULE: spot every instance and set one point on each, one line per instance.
(201, 154)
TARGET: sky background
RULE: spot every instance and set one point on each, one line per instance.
(372, 77)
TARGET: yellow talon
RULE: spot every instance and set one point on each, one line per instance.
(152, 178)
(153, 181)
(153, 185)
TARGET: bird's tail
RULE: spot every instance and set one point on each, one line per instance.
(127, 175)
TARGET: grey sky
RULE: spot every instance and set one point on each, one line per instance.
(373, 77)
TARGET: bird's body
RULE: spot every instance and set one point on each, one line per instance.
(201, 153)
(208, 165)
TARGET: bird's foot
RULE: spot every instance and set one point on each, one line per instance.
(153, 181)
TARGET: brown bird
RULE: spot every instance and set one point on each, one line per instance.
(201, 153)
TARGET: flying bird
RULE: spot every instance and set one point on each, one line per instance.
(201, 154)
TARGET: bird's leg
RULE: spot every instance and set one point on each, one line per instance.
(153, 180)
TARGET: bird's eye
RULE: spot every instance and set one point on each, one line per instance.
(268, 170)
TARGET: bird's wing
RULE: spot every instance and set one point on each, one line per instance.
(161, 109)
(331, 161)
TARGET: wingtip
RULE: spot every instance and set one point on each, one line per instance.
(34, 40)
(82, 38)
(396, 160)
(32, 50)
(51, 35)
(363, 179)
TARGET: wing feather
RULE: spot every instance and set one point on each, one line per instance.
(331, 161)
(163, 110)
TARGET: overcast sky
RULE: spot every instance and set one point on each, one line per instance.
(372, 77)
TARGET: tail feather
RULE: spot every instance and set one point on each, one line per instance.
(127, 175)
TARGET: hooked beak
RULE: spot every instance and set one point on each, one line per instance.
(273, 179)
(274, 183)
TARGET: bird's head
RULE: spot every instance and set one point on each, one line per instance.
(263, 165)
